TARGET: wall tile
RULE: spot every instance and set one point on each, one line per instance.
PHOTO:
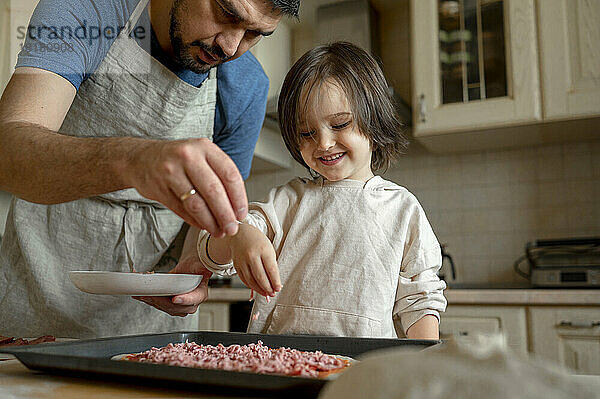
(475, 269)
(476, 221)
(526, 219)
(475, 198)
(583, 219)
(549, 165)
(580, 191)
(524, 194)
(551, 194)
(499, 172)
(552, 219)
(577, 165)
(499, 196)
(501, 220)
(595, 151)
(450, 198)
(452, 221)
(524, 170)
(478, 244)
(451, 174)
(472, 172)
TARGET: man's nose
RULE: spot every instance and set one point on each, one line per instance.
(229, 40)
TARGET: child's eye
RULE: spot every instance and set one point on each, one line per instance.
(307, 134)
(341, 126)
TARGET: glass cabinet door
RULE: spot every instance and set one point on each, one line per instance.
(474, 66)
(472, 51)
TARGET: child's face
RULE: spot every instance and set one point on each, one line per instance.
(330, 142)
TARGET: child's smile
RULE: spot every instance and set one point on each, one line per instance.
(332, 145)
(332, 159)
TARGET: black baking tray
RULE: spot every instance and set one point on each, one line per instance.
(92, 358)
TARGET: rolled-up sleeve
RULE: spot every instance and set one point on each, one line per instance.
(420, 291)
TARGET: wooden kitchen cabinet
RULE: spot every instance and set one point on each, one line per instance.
(567, 335)
(452, 67)
(569, 38)
(213, 316)
(467, 321)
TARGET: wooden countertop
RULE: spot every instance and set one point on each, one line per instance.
(456, 296)
(18, 382)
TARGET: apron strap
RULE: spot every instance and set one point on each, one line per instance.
(135, 16)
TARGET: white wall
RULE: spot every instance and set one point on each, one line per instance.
(13, 13)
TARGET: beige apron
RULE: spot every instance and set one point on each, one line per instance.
(112, 232)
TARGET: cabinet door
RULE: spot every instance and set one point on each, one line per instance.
(213, 316)
(468, 321)
(512, 41)
(569, 33)
(567, 335)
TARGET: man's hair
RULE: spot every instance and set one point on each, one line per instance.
(288, 7)
(361, 79)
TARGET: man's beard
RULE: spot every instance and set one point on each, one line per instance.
(183, 52)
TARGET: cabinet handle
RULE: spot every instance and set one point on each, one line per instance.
(565, 323)
(422, 109)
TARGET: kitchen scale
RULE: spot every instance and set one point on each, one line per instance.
(562, 263)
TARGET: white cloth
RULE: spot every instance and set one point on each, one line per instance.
(116, 231)
(355, 259)
(457, 369)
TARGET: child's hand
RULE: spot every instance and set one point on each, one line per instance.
(254, 260)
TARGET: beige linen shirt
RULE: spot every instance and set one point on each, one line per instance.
(356, 259)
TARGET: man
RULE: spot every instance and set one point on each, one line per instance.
(98, 140)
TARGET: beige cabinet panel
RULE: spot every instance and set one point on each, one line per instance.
(569, 36)
(274, 54)
(433, 117)
(567, 335)
(213, 316)
(468, 321)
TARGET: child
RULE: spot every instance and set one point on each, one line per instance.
(347, 252)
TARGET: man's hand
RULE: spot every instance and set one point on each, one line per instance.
(39, 165)
(184, 304)
(164, 171)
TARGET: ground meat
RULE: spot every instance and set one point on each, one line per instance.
(12, 341)
(257, 358)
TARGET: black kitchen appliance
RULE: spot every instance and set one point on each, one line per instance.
(446, 257)
(559, 263)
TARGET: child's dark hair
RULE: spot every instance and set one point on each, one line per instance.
(362, 80)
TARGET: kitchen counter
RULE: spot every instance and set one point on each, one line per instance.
(18, 382)
(499, 295)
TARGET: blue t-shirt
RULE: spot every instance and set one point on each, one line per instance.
(72, 37)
